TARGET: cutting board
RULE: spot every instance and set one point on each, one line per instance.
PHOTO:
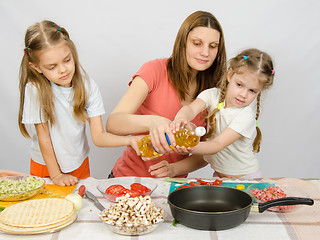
(174, 185)
(47, 191)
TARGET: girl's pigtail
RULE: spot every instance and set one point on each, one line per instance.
(257, 140)
(63, 31)
(212, 123)
(212, 116)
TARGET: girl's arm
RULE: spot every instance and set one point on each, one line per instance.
(49, 157)
(189, 164)
(188, 112)
(101, 138)
(185, 114)
(224, 139)
(10, 173)
(124, 121)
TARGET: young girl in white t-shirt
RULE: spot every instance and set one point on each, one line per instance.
(56, 99)
(232, 119)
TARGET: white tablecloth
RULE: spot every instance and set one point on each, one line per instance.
(258, 226)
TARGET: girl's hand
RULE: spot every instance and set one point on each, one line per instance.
(183, 150)
(63, 179)
(176, 123)
(158, 130)
(175, 126)
(162, 169)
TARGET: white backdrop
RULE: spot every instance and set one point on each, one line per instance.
(114, 38)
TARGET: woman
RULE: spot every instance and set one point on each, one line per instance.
(158, 91)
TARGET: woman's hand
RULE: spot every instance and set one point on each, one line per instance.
(134, 143)
(159, 128)
(185, 166)
(63, 179)
(162, 169)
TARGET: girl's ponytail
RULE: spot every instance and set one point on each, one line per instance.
(212, 116)
(22, 85)
(257, 141)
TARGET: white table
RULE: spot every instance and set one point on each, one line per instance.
(258, 226)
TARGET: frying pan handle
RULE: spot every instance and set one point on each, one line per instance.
(286, 201)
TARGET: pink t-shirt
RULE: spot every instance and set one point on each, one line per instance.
(162, 100)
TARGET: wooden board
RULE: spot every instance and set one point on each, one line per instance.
(47, 191)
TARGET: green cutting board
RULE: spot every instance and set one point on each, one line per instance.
(174, 185)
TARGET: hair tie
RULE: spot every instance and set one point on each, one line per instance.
(245, 57)
(220, 105)
(59, 30)
(25, 51)
(256, 123)
(272, 72)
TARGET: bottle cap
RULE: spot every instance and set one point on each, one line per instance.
(200, 131)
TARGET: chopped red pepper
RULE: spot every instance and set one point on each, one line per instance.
(194, 184)
(216, 182)
(184, 186)
(201, 183)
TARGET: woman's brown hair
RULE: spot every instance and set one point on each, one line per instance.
(40, 36)
(258, 62)
(179, 72)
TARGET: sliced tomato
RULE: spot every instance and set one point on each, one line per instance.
(132, 192)
(115, 189)
(139, 187)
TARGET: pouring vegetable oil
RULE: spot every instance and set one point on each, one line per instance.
(187, 136)
(146, 148)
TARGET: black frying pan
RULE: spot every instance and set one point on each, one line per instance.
(217, 207)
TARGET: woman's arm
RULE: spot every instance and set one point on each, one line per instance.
(100, 138)
(224, 139)
(124, 121)
(49, 157)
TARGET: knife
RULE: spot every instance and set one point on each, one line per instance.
(94, 200)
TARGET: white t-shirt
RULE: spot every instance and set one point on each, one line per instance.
(237, 158)
(68, 135)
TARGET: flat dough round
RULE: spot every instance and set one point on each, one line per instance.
(36, 230)
(38, 212)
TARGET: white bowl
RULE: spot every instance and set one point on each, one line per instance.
(134, 230)
(125, 182)
(15, 194)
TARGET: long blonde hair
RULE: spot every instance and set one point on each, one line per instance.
(179, 72)
(258, 62)
(40, 36)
